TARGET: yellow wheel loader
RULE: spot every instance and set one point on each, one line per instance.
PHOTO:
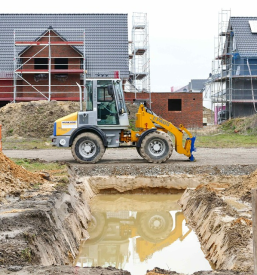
(102, 122)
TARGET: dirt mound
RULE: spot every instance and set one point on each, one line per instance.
(242, 125)
(209, 114)
(33, 119)
(14, 178)
(243, 190)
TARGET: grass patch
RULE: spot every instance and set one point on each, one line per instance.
(19, 143)
(58, 172)
(37, 166)
(226, 141)
(26, 254)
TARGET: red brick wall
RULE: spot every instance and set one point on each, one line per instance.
(6, 89)
(62, 90)
(191, 114)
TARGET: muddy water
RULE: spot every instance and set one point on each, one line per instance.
(140, 232)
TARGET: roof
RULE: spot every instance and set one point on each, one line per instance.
(43, 34)
(246, 41)
(106, 38)
(197, 84)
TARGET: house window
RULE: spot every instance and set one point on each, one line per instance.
(61, 64)
(41, 64)
(174, 105)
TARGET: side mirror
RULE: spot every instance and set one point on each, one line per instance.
(110, 90)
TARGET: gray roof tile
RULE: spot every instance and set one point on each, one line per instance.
(246, 41)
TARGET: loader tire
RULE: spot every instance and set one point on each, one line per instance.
(87, 148)
(156, 147)
(138, 150)
(155, 226)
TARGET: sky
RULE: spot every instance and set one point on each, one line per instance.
(181, 33)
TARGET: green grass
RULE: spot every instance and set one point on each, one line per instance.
(27, 144)
(226, 141)
(58, 172)
(35, 166)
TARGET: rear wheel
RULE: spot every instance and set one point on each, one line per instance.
(156, 147)
(87, 148)
(155, 226)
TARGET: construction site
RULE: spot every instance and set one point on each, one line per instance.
(99, 175)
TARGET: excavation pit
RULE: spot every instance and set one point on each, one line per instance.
(139, 232)
(51, 227)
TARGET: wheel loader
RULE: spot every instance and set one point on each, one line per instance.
(102, 122)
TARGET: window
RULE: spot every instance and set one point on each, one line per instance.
(174, 105)
(61, 64)
(102, 94)
(41, 63)
(89, 91)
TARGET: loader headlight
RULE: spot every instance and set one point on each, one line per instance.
(62, 142)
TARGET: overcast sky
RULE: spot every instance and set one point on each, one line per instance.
(181, 32)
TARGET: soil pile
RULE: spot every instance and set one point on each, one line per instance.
(209, 114)
(14, 178)
(242, 125)
(33, 119)
(243, 190)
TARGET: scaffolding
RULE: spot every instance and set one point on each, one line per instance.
(43, 66)
(232, 77)
(139, 56)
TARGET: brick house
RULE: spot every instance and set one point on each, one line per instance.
(65, 69)
(93, 43)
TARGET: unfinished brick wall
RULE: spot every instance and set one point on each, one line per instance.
(191, 114)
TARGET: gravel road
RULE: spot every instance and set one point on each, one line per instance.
(204, 156)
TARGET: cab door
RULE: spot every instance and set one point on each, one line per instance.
(107, 113)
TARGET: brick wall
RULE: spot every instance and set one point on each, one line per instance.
(191, 114)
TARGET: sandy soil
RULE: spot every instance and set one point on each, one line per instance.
(35, 119)
(62, 270)
(14, 179)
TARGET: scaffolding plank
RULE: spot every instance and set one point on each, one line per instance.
(44, 43)
(29, 71)
(139, 51)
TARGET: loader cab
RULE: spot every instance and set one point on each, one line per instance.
(105, 103)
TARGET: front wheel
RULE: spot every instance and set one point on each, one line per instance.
(156, 147)
(87, 148)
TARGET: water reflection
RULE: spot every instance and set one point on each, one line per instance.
(128, 230)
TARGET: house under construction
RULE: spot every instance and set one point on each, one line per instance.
(234, 74)
(43, 56)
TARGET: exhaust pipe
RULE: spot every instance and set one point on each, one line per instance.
(80, 98)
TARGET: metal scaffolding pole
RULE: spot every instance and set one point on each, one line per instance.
(14, 69)
(84, 68)
(49, 66)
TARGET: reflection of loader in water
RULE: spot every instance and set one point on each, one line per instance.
(109, 236)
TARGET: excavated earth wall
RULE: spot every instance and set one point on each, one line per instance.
(47, 229)
(223, 225)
